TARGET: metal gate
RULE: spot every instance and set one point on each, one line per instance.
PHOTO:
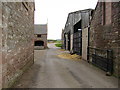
(77, 42)
(102, 58)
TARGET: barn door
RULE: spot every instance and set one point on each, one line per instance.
(84, 43)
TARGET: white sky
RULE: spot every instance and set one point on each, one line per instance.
(56, 12)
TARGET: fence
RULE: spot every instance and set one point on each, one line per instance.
(102, 58)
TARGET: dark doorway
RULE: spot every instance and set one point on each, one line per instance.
(64, 41)
(77, 38)
(78, 27)
(69, 41)
(39, 43)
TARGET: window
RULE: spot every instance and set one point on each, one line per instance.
(39, 43)
(38, 35)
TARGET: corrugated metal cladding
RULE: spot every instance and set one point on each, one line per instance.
(85, 19)
(76, 22)
(75, 17)
(69, 23)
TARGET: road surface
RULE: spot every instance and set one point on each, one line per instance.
(51, 71)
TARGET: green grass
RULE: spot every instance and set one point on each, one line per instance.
(58, 42)
(58, 45)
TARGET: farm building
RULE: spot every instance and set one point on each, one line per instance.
(16, 40)
(104, 46)
(95, 35)
(76, 31)
(40, 36)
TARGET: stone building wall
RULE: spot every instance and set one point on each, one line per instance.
(116, 32)
(104, 31)
(42, 38)
(17, 40)
(0, 45)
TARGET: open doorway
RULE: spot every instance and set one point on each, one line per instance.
(77, 38)
(69, 41)
(39, 43)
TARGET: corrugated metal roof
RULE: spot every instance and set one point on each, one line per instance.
(75, 17)
(40, 29)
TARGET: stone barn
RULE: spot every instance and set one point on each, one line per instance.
(104, 47)
(16, 40)
(40, 35)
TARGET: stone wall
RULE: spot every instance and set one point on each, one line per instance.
(104, 29)
(115, 44)
(0, 45)
(42, 38)
(17, 40)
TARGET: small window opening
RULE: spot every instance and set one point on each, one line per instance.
(38, 35)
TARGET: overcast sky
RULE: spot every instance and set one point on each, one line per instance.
(55, 12)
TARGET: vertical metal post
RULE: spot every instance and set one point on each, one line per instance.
(107, 61)
(110, 61)
(88, 54)
(95, 56)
